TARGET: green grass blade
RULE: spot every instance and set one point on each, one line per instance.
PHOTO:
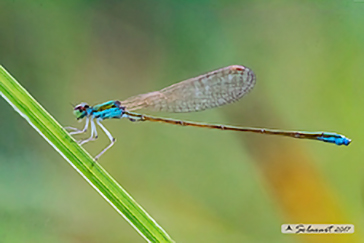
(80, 160)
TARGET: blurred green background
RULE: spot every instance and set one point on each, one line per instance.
(200, 185)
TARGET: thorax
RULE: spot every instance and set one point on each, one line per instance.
(107, 110)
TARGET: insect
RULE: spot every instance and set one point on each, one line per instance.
(207, 91)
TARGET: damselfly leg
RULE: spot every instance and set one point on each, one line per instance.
(78, 131)
(112, 139)
(93, 136)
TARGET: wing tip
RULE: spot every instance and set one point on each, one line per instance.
(237, 68)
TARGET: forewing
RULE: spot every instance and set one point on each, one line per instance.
(207, 91)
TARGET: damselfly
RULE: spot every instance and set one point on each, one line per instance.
(207, 91)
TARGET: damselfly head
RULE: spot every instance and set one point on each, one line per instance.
(80, 110)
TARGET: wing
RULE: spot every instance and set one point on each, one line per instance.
(210, 90)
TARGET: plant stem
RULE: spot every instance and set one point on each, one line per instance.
(81, 161)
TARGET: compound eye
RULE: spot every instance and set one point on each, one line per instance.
(81, 107)
(78, 107)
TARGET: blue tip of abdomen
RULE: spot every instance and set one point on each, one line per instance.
(334, 138)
